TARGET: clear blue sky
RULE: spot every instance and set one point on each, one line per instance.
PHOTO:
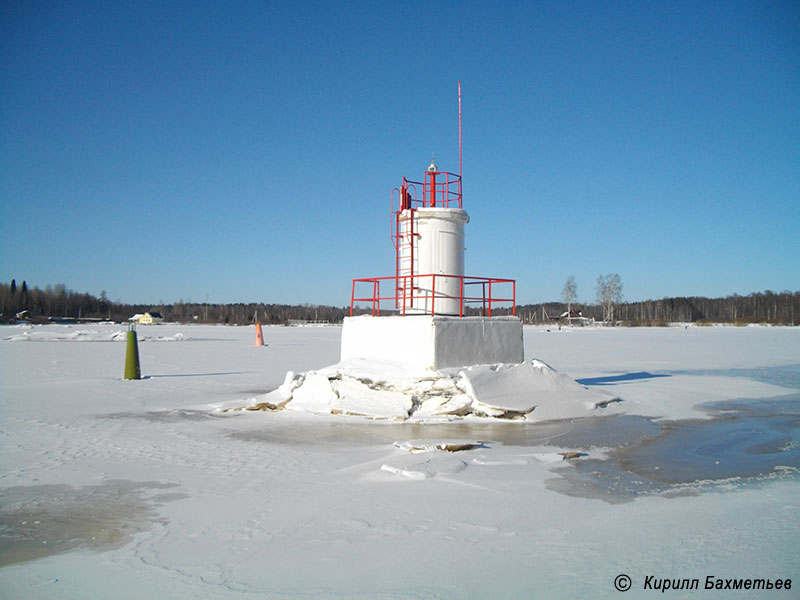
(245, 151)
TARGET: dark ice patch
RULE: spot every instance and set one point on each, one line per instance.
(746, 442)
(43, 520)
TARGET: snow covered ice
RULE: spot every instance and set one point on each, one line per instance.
(136, 489)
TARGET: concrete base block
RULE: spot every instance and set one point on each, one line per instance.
(424, 341)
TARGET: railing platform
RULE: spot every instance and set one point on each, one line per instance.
(417, 294)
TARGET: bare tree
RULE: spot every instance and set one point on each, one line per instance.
(569, 294)
(609, 294)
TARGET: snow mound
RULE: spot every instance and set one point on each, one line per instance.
(69, 334)
(377, 390)
(440, 406)
(529, 387)
(354, 397)
(417, 446)
(415, 475)
(311, 393)
(178, 337)
(65, 334)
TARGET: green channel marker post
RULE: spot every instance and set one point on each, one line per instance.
(132, 370)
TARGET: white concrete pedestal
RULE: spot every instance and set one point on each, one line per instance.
(424, 341)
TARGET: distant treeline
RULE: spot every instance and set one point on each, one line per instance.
(768, 307)
(18, 302)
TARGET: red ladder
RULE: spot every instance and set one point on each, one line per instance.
(404, 238)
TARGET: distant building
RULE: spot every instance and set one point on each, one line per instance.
(306, 323)
(147, 318)
(575, 317)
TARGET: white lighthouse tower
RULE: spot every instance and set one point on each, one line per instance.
(430, 314)
(429, 240)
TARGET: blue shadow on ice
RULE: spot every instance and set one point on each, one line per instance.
(782, 375)
(196, 374)
(611, 379)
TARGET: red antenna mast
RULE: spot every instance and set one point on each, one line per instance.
(459, 128)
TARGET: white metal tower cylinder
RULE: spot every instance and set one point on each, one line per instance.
(432, 248)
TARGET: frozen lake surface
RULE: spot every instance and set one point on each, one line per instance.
(138, 489)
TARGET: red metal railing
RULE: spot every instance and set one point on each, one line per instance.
(412, 296)
(440, 189)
